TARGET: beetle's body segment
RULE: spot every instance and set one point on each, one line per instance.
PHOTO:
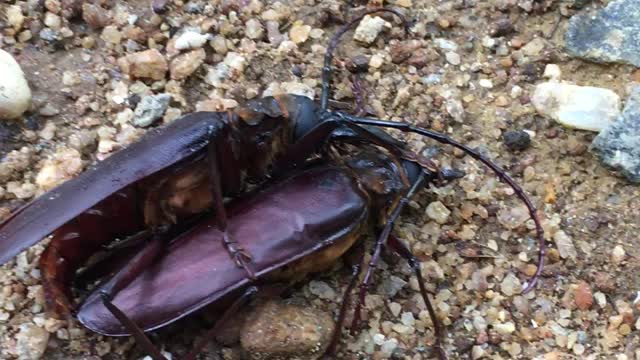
(73, 243)
(247, 140)
(46, 213)
(318, 209)
(167, 171)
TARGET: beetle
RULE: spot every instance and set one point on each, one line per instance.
(297, 226)
(204, 156)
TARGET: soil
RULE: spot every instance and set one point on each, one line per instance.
(475, 258)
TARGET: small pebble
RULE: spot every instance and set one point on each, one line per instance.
(618, 254)
(94, 15)
(15, 95)
(565, 245)
(505, 328)
(534, 47)
(145, 64)
(14, 16)
(359, 63)
(150, 108)
(322, 290)
(552, 71)
(438, 212)
(62, 166)
(191, 40)
(254, 29)
(395, 308)
(502, 27)
(369, 28)
(186, 64)
(453, 58)
(624, 329)
(485, 83)
(510, 285)
(376, 61)
(516, 140)
(582, 295)
(299, 33)
(601, 299)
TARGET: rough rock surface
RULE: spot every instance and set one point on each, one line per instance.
(276, 330)
(611, 35)
(618, 145)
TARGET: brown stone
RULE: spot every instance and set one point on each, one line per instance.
(275, 330)
(186, 64)
(149, 64)
(95, 16)
(583, 296)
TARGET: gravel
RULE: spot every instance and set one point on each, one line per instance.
(467, 69)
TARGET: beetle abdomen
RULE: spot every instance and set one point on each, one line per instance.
(278, 226)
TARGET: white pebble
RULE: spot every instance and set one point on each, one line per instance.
(552, 71)
(618, 254)
(452, 58)
(438, 212)
(565, 245)
(191, 40)
(369, 28)
(506, 328)
(445, 44)
(485, 83)
(580, 107)
(15, 95)
(376, 61)
(601, 299)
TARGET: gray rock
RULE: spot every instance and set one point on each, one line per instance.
(150, 109)
(611, 35)
(618, 145)
(31, 342)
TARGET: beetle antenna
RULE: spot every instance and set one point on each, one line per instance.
(502, 175)
(333, 44)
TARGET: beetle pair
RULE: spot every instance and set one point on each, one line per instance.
(198, 161)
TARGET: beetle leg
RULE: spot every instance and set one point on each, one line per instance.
(240, 256)
(380, 243)
(356, 88)
(134, 329)
(355, 274)
(400, 249)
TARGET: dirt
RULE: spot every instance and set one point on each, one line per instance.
(584, 306)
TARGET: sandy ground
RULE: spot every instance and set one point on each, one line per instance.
(585, 304)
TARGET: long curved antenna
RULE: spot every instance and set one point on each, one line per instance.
(406, 127)
(333, 44)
